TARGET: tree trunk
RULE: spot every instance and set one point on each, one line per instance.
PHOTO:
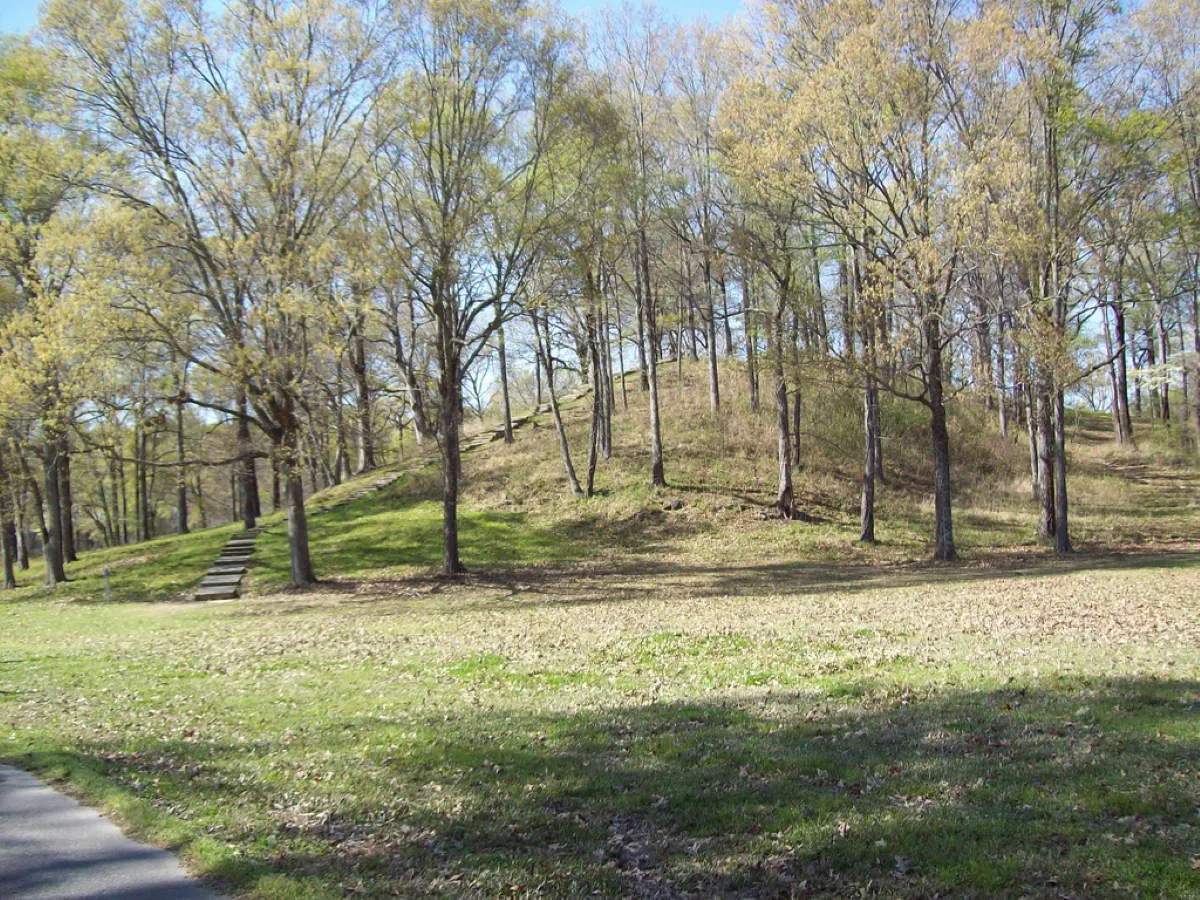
(505, 402)
(276, 481)
(297, 522)
(1121, 387)
(728, 326)
(594, 437)
(67, 500)
(1047, 524)
(124, 501)
(449, 433)
(679, 345)
(1062, 531)
(620, 350)
(1164, 343)
(8, 527)
(181, 488)
(1196, 347)
(198, 492)
(55, 573)
(235, 493)
(247, 479)
(943, 548)
(341, 455)
(657, 473)
(18, 505)
(545, 359)
(1035, 484)
(867, 517)
(362, 394)
(1151, 362)
(751, 341)
(142, 486)
(785, 499)
(8, 536)
(1118, 428)
(604, 349)
(38, 501)
(714, 388)
(640, 302)
(1001, 378)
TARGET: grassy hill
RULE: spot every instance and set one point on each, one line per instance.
(722, 474)
(656, 693)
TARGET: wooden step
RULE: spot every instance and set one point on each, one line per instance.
(218, 580)
(232, 561)
(226, 570)
(221, 592)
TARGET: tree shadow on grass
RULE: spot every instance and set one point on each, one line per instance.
(573, 583)
(641, 579)
(404, 530)
(1053, 789)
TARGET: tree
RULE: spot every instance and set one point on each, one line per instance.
(248, 128)
(461, 152)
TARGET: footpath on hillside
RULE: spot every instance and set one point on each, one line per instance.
(53, 848)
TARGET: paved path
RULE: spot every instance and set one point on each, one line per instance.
(52, 847)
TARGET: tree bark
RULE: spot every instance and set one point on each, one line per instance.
(505, 402)
(785, 499)
(67, 500)
(1047, 524)
(1165, 345)
(751, 341)
(1001, 378)
(362, 394)
(867, 510)
(55, 573)
(640, 301)
(725, 318)
(23, 533)
(449, 434)
(38, 501)
(181, 488)
(1062, 531)
(657, 473)
(297, 521)
(1118, 428)
(1196, 346)
(142, 486)
(545, 359)
(944, 548)
(598, 412)
(8, 527)
(246, 475)
(714, 387)
(9, 540)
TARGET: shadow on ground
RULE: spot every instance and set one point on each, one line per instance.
(575, 584)
(1054, 789)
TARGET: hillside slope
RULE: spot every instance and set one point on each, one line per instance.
(517, 512)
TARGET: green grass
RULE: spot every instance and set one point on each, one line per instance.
(654, 693)
(167, 568)
(1006, 735)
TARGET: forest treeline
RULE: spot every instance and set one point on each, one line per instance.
(280, 241)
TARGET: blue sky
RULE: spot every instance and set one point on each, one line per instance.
(17, 16)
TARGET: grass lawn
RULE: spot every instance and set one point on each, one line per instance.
(652, 695)
(731, 731)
